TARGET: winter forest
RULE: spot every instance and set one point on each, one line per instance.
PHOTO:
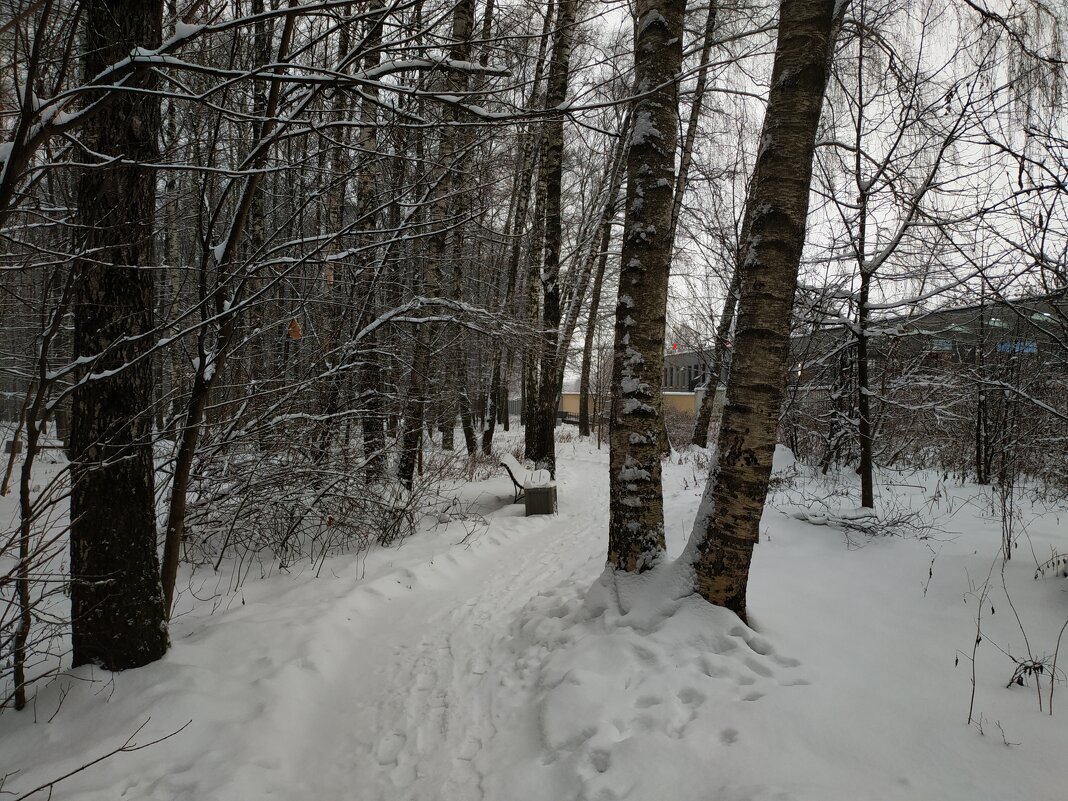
(500, 400)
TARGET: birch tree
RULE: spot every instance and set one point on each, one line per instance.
(636, 504)
(727, 525)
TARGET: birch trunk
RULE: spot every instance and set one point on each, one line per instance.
(727, 525)
(636, 503)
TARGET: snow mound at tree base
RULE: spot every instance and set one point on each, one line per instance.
(639, 692)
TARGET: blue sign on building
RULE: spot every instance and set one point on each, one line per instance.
(1020, 346)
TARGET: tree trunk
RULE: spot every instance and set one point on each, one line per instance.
(372, 420)
(719, 353)
(704, 412)
(686, 157)
(543, 444)
(532, 421)
(118, 619)
(728, 521)
(213, 351)
(982, 439)
(436, 252)
(494, 399)
(864, 426)
(595, 260)
(591, 331)
(636, 503)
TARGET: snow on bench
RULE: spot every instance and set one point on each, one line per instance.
(524, 479)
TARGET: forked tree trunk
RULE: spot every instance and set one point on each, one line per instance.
(118, 618)
(727, 525)
(543, 444)
(636, 503)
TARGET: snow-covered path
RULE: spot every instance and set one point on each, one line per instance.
(505, 670)
(422, 698)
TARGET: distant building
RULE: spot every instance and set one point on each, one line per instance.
(685, 375)
(1033, 328)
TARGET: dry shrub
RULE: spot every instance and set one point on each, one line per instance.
(679, 426)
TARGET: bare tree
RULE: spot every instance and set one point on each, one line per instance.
(728, 520)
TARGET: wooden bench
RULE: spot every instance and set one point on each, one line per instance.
(535, 487)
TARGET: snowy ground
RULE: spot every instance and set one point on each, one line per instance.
(507, 669)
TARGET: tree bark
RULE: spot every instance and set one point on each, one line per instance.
(591, 331)
(543, 444)
(436, 253)
(727, 524)
(686, 157)
(532, 421)
(864, 426)
(118, 618)
(636, 503)
(864, 423)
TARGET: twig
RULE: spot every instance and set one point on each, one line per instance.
(1053, 668)
(125, 748)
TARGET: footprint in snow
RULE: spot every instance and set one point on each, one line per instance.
(389, 747)
(691, 696)
(758, 667)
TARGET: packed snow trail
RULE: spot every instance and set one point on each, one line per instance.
(418, 720)
(392, 696)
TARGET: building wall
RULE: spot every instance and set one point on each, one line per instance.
(685, 402)
(569, 402)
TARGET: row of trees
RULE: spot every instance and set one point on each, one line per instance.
(257, 256)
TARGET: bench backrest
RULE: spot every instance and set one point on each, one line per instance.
(517, 471)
